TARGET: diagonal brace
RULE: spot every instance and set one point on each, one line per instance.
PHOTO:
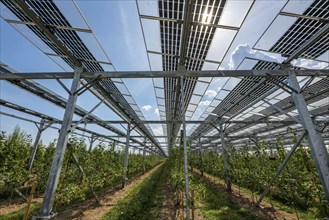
(282, 165)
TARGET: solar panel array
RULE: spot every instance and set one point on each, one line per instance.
(48, 12)
(303, 29)
(199, 39)
(185, 40)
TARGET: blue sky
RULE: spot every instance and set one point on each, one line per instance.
(117, 28)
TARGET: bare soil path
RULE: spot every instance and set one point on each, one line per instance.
(15, 205)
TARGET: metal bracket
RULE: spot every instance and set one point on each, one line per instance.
(282, 85)
(282, 165)
(309, 81)
(85, 116)
(64, 87)
(85, 87)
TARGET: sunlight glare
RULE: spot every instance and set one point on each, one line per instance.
(206, 17)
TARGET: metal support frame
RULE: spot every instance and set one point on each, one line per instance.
(185, 156)
(92, 139)
(126, 155)
(86, 115)
(311, 41)
(282, 165)
(35, 144)
(161, 74)
(283, 112)
(200, 154)
(63, 85)
(226, 165)
(315, 140)
(144, 147)
(282, 85)
(55, 170)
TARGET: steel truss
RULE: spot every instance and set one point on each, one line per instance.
(182, 64)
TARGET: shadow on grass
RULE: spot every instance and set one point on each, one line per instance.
(217, 204)
(140, 201)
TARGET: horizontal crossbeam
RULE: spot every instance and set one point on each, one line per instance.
(161, 74)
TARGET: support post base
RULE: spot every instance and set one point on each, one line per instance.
(39, 217)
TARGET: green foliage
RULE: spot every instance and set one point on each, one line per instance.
(102, 166)
(177, 179)
(217, 204)
(14, 149)
(298, 184)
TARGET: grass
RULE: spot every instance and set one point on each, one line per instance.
(19, 214)
(311, 214)
(140, 201)
(218, 205)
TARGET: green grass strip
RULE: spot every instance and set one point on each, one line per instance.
(19, 214)
(311, 214)
(138, 203)
(218, 205)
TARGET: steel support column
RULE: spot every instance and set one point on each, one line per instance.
(55, 170)
(201, 157)
(315, 140)
(91, 141)
(226, 165)
(126, 155)
(144, 146)
(36, 142)
(185, 154)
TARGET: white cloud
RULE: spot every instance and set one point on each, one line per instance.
(146, 107)
(244, 50)
(204, 103)
(156, 111)
(211, 93)
(309, 64)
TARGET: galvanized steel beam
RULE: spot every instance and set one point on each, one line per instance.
(55, 170)
(315, 140)
(161, 74)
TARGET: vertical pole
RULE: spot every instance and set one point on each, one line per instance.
(201, 158)
(185, 153)
(144, 148)
(56, 165)
(125, 161)
(144, 152)
(35, 144)
(226, 165)
(92, 140)
(314, 138)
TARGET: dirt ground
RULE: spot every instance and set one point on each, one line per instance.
(15, 205)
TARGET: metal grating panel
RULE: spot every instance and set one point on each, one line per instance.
(198, 42)
(48, 12)
(302, 30)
